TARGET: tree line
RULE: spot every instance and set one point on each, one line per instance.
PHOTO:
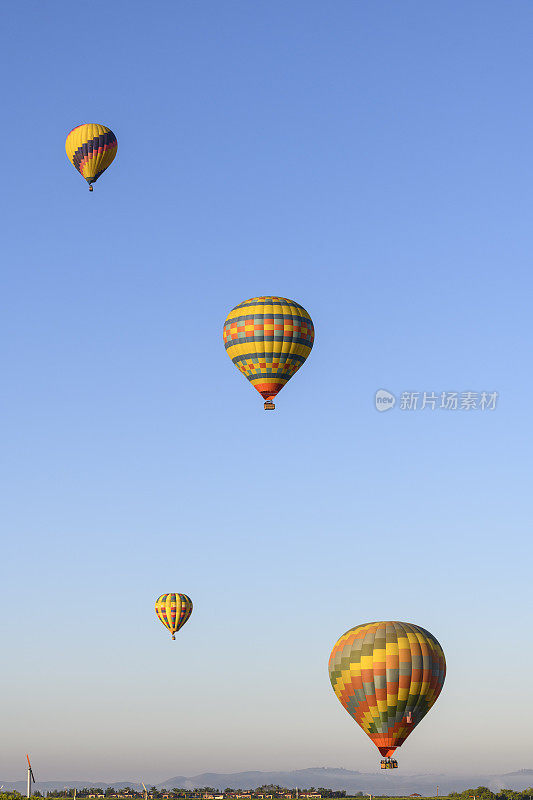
(484, 793)
(479, 793)
(176, 792)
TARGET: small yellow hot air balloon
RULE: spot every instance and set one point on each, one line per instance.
(268, 340)
(91, 148)
(173, 610)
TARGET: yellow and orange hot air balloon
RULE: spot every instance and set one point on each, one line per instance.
(91, 148)
(173, 610)
(268, 340)
(387, 675)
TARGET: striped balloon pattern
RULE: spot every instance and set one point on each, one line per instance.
(173, 610)
(268, 340)
(91, 148)
(387, 675)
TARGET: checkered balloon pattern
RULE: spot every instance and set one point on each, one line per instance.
(173, 610)
(268, 340)
(387, 675)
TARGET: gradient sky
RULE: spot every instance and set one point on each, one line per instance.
(372, 161)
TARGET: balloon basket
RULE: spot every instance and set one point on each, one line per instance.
(269, 405)
(90, 188)
(389, 763)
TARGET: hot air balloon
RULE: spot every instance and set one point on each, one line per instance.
(387, 675)
(173, 610)
(268, 340)
(91, 148)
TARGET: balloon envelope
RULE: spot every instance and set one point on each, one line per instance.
(91, 148)
(387, 675)
(268, 340)
(173, 610)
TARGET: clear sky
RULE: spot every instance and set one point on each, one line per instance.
(372, 161)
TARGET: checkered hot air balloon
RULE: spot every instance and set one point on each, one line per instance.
(387, 675)
(173, 610)
(268, 340)
(91, 148)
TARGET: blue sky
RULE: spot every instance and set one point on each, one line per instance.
(371, 161)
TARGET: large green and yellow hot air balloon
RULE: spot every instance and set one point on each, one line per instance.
(268, 340)
(91, 148)
(387, 675)
(173, 610)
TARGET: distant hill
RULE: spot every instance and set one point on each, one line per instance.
(388, 782)
(519, 772)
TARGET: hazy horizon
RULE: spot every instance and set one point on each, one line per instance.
(319, 777)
